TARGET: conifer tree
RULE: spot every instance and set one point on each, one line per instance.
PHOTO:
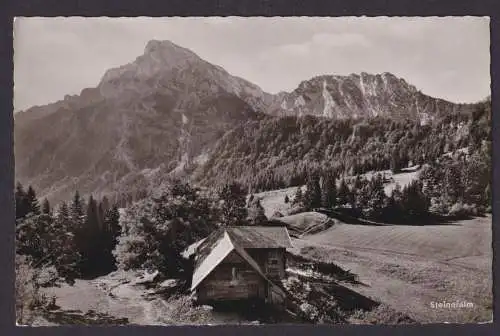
(90, 241)
(22, 204)
(233, 207)
(112, 220)
(68, 260)
(343, 193)
(46, 207)
(105, 204)
(377, 197)
(100, 216)
(414, 202)
(76, 211)
(312, 197)
(396, 162)
(329, 191)
(256, 213)
(299, 197)
(32, 201)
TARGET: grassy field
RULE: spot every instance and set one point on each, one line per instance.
(409, 267)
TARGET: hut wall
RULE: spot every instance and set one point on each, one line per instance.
(232, 279)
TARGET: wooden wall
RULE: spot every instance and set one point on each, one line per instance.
(235, 279)
(271, 261)
(232, 279)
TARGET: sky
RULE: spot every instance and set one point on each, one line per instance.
(445, 57)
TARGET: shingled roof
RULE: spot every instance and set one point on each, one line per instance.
(221, 242)
(260, 236)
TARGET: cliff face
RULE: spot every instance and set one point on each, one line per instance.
(364, 95)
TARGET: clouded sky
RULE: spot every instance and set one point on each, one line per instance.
(444, 57)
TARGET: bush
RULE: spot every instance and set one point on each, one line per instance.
(29, 299)
(438, 206)
(461, 210)
(383, 314)
(310, 312)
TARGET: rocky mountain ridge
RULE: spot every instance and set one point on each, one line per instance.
(164, 112)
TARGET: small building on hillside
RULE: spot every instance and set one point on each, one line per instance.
(244, 262)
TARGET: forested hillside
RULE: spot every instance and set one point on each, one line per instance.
(272, 153)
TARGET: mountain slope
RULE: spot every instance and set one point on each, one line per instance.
(145, 119)
(275, 153)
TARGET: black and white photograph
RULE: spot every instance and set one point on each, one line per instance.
(252, 170)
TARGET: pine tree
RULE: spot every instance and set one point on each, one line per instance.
(343, 193)
(299, 197)
(454, 189)
(377, 197)
(92, 216)
(329, 191)
(100, 216)
(105, 204)
(46, 207)
(63, 212)
(22, 204)
(68, 261)
(396, 162)
(76, 211)
(362, 198)
(112, 222)
(287, 200)
(91, 240)
(256, 213)
(312, 197)
(233, 207)
(414, 202)
(32, 201)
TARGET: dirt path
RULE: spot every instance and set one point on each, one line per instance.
(105, 295)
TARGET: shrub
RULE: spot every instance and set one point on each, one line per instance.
(382, 314)
(309, 311)
(29, 299)
(461, 210)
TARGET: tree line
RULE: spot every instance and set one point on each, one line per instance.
(89, 237)
(455, 185)
(76, 238)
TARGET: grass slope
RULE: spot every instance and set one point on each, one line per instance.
(408, 267)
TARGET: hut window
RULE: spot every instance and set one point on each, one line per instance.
(273, 261)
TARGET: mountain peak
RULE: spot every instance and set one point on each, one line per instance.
(167, 49)
(159, 57)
